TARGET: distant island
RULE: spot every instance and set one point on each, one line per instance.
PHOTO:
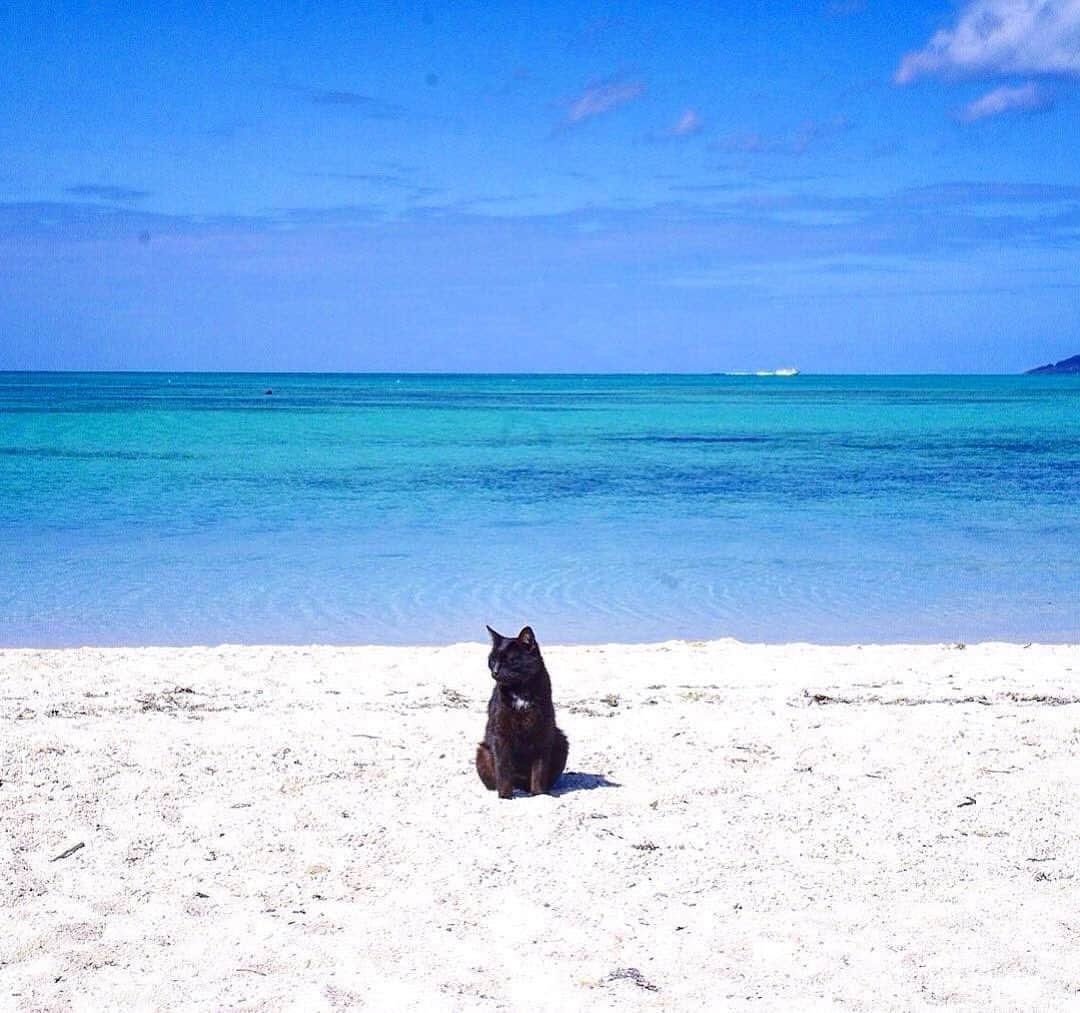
(1070, 365)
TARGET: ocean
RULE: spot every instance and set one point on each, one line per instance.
(196, 508)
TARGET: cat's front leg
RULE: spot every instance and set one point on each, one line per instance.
(538, 778)
(504, 770)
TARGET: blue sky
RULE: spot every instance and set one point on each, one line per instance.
(844, 186)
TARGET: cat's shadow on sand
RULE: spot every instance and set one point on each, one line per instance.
(572, 780)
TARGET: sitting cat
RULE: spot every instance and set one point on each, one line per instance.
(522, 747)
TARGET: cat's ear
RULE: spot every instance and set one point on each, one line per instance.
(496, 638)
(527, 637)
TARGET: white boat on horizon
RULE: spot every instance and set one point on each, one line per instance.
(785, 371)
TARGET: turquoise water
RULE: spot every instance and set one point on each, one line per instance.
(192, 508)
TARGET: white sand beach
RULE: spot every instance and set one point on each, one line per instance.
(267, 828)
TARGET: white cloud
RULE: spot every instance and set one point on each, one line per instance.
(601, 97)
(688, 123)
(993, 37)
(1023, 98)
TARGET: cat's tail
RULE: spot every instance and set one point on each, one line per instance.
(560, 749)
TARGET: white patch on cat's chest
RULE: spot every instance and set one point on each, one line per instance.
(519, 703)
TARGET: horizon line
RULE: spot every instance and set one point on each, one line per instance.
(732, 374)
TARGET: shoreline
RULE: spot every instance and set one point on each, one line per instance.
(883, 826)
(571, 645)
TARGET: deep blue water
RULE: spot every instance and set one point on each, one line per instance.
(192, 508)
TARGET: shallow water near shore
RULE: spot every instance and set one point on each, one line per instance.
(196, 508)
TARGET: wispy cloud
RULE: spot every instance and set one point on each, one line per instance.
(752, 143)
(814, 132)
(998, 37)
(516, 83)
(963, 194)
(342, 98)
(707, 188)
(390, 180)
(595, 33)
(379, 178)
(601, 97)
(809, 134)
(844, 8)
(342, 215)
(688, 124)
(225, 130)
(101, 191)
(711, 222)
(967, 194)
(1027, 97)
(367, 104)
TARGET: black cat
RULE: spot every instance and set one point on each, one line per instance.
(522, 747)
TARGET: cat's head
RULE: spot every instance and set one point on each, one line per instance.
(514, 659)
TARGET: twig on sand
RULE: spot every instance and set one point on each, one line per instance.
(634, 975)
(252, 970)
(908, 701)
(968, 800)
(1046, 698)
(70, 851)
